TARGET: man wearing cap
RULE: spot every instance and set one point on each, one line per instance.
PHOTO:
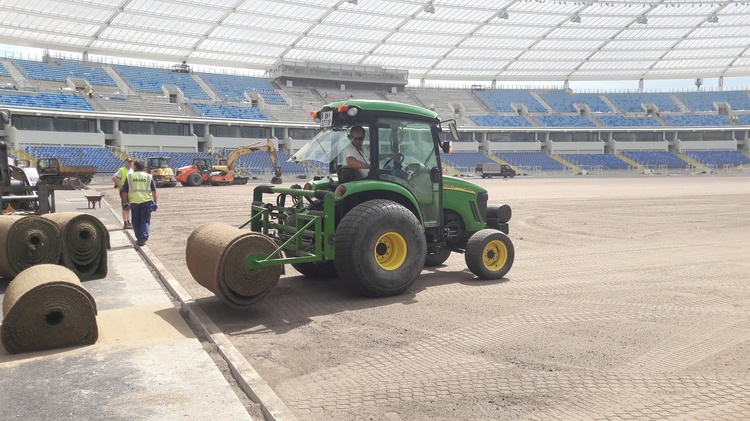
(139, 191)
(119, 178)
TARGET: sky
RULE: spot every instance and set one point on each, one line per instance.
(577, 86)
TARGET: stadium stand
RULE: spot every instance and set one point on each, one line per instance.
(634, 102)
(228, 111)
(564, 102)
(100, 157)
(500, 121)
(532, 160)
(465, 161)
(719, 158)
(593, 160)
(3, 71)
(656, 159)
(705, 101)
(564, 121)
(62, 70)
(501, 100)
(233, 88)
(147, 79)
(260, 163)
(46, 100)
(620, 121)
(743, 119)
(696, 120)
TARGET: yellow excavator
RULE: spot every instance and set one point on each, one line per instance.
(223, 172)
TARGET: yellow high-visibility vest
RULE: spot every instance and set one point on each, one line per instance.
(139, 187)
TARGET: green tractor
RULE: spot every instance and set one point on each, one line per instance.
(377, 228)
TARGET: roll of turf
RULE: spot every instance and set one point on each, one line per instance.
(215, 256)
(85, 241)
(46, 307)
(26, 241)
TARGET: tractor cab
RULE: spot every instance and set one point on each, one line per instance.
(203, 164)
(48, 166)
(155, 162)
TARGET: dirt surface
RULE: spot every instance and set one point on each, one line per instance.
(629, 297)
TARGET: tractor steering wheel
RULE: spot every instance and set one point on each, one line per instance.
(399, 159)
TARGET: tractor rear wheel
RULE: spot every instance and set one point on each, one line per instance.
(380, 248)
(489, 254)
(194, 179)
(317, 270)
(437, 258)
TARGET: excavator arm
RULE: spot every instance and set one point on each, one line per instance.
(257, 147)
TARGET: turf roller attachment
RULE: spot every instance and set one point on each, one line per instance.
(215, 256)
(46, 307)
(85, 242)
(26, 241)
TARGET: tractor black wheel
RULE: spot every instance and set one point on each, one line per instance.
(489, 254)
(317, 270)
(380, 248)
(194, 179)
(437, 258)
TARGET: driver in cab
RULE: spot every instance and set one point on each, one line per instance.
(356, 156)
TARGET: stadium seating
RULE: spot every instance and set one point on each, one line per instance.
(260, 162)
(564, 121)
(744, 119)
(147, 79)
(704, 101)
(229, 111)
(63, 70)
(564, 102)
(233, 88)
(633, 102)
(594, 160)
(532, 160)
(719, 158)
(465, 161)
(696, 120)
(656, 159)
(620, 121)
(100, 157)
(500, 121)
(45, 100)
(501, 100)
(4, 71)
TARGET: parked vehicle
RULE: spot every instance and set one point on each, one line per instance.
(489, 170)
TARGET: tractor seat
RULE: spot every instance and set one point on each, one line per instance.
(347, 174)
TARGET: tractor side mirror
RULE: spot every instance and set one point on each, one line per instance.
(447, 146)
(454, 130)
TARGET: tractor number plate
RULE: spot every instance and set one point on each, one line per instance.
(326, 119)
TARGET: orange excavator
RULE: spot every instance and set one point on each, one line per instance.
(223, 173)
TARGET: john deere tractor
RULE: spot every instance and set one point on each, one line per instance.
(377, 228)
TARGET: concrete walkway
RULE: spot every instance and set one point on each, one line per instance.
(146, 365)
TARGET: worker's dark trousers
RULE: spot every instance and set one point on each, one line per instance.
(140, 214)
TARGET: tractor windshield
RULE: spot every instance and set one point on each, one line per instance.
(325, 147)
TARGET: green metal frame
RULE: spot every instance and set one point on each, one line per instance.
(308, 242)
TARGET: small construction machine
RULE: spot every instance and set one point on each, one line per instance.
(376, 232)
(204, 172)
(53, 172)
(17, 194)
(158, 167)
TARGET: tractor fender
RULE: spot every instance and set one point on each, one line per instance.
(365, 190)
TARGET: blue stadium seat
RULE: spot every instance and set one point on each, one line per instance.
(100, 157)
(501, 100)
(147, 79)
(593, 160)
(633, 102)
(62, 70)
(657, 159)
(229, 111)
(733, 158)
(46, 100)
(500, 121)
(704, 101)
(696, 120)
(564, 102)
(532, 160)
(232, 88)
(620, 121)
(564, 121)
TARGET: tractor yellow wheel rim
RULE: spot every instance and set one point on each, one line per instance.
(495, 255)
(390, 251)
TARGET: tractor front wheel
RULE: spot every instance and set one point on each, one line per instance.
(380, 248)
(438, 257)
(317, 270)
(489, 254)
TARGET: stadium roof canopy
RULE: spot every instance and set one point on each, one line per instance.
(539, 40)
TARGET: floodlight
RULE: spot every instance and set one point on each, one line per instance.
(642, 20)
(576, 18)
(502, 14)
(713, 18)
(352, 1)
(429, 8)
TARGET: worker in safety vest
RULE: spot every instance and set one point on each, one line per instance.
(119, 178)
(139, 191)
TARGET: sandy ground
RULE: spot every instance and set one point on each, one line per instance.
(628, 299)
